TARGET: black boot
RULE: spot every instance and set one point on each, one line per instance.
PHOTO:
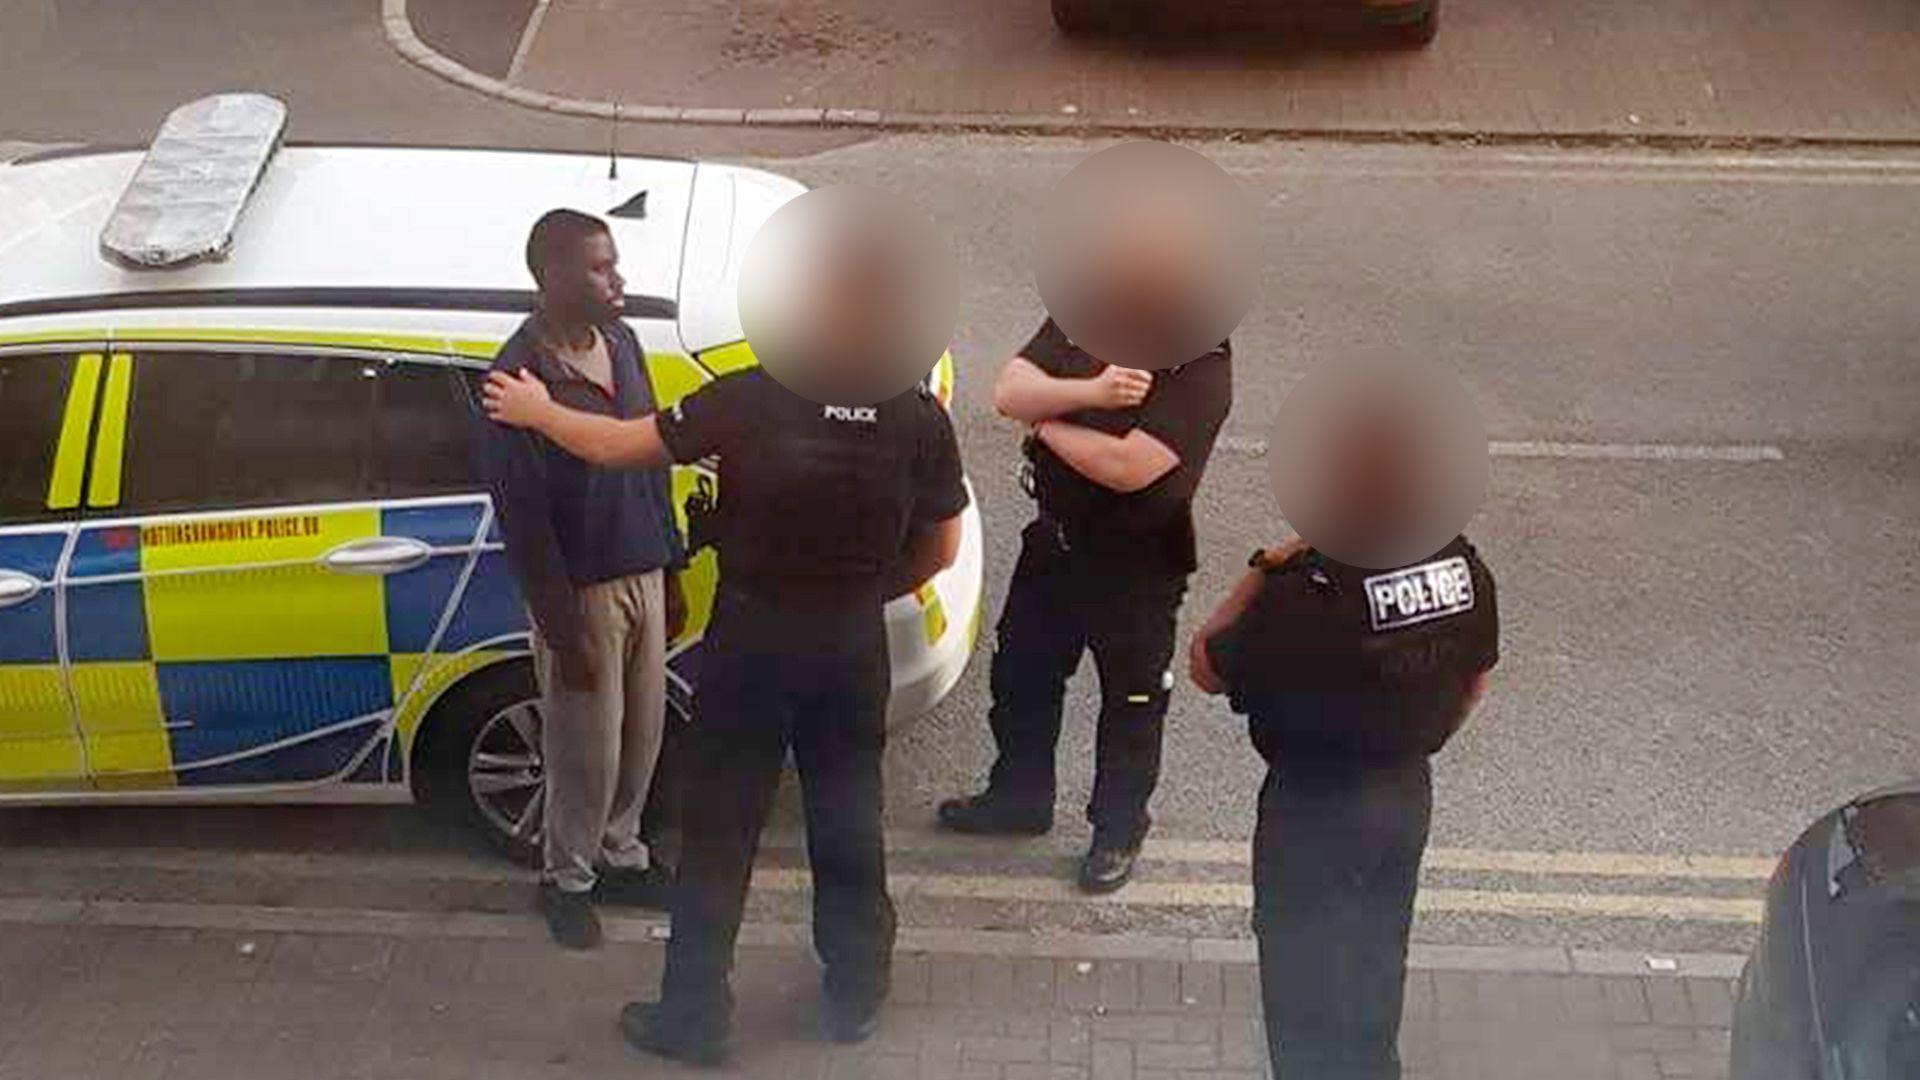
(1107, 867)
(570, 917)
(649, 1026)
(990, 814)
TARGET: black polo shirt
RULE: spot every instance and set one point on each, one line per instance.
(817, 502)
(1147, 532)
(1337, 663)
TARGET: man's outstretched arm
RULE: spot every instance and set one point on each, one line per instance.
(521, 400)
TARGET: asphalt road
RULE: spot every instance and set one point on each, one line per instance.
(1702, 514)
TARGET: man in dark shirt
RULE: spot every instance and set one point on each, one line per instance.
(596, 553)
(1115, 457)
(826, 512)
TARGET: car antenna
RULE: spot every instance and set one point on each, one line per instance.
(613, 145)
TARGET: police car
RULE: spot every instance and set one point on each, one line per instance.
(243, 556)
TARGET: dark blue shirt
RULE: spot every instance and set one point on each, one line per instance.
(569, 524)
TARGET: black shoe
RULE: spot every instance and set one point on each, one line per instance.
(649, 888)
(570, 917)
(852, 1021)
(1107, 868)
(647, 1026)
(988, 814)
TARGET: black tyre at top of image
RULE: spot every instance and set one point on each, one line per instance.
(1413, 27)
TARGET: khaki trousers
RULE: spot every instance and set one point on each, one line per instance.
(602, 743)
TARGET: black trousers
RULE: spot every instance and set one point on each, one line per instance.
(1336, 861)
(769, 681)
(1057, 608)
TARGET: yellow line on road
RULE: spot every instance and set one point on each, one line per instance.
(1226, 894)
(1237, 853)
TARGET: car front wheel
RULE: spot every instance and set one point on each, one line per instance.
(480, 762)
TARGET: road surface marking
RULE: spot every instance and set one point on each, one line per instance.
(1238, 853)
(1232, 853)
(1534, 448)
(1226, 894)
(527, 34)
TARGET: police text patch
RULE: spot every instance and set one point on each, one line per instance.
(1419, 593)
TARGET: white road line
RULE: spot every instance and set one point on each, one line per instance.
(1226, 894)
(1635, 451)
(1735, 452)
(527, 34)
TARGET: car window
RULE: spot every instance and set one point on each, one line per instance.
(423, 433)
(33, 391)
(222, 429)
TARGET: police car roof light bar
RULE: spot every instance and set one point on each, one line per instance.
(185, 199)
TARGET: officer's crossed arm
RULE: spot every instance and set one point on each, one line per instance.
(1025, 392)
(521, 400)
(1123, 463)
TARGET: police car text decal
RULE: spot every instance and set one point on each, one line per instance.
(1419, 593)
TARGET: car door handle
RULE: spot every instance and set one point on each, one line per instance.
(377, 555)
(17, 588)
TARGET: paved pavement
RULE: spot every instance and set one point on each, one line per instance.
(1691, 69)
(171, 995)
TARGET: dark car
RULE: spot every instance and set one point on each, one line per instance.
(1398, 22)
(1832, 990)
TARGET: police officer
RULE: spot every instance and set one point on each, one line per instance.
(825, 512)
(1115, 456)
(1350, 678)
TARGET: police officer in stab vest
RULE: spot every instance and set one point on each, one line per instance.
(1350, 678)
(826, 512)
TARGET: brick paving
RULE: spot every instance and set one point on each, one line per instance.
(85, 1001)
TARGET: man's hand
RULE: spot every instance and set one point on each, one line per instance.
(1200, 666)
(577, 668)
(1118, 388)
(517, 400)
(676, 597)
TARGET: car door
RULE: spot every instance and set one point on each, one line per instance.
(46, 411)
(228, 599)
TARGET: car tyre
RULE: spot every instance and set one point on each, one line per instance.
(1077, 18)
(469, 741)
(1415, 33)
(465, 723)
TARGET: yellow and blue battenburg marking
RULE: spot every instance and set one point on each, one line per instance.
(42, 748)
(219, 651)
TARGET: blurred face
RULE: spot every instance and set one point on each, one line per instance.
(586, 286)
(1145, 255)
(848, 295)
(1378, 462)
